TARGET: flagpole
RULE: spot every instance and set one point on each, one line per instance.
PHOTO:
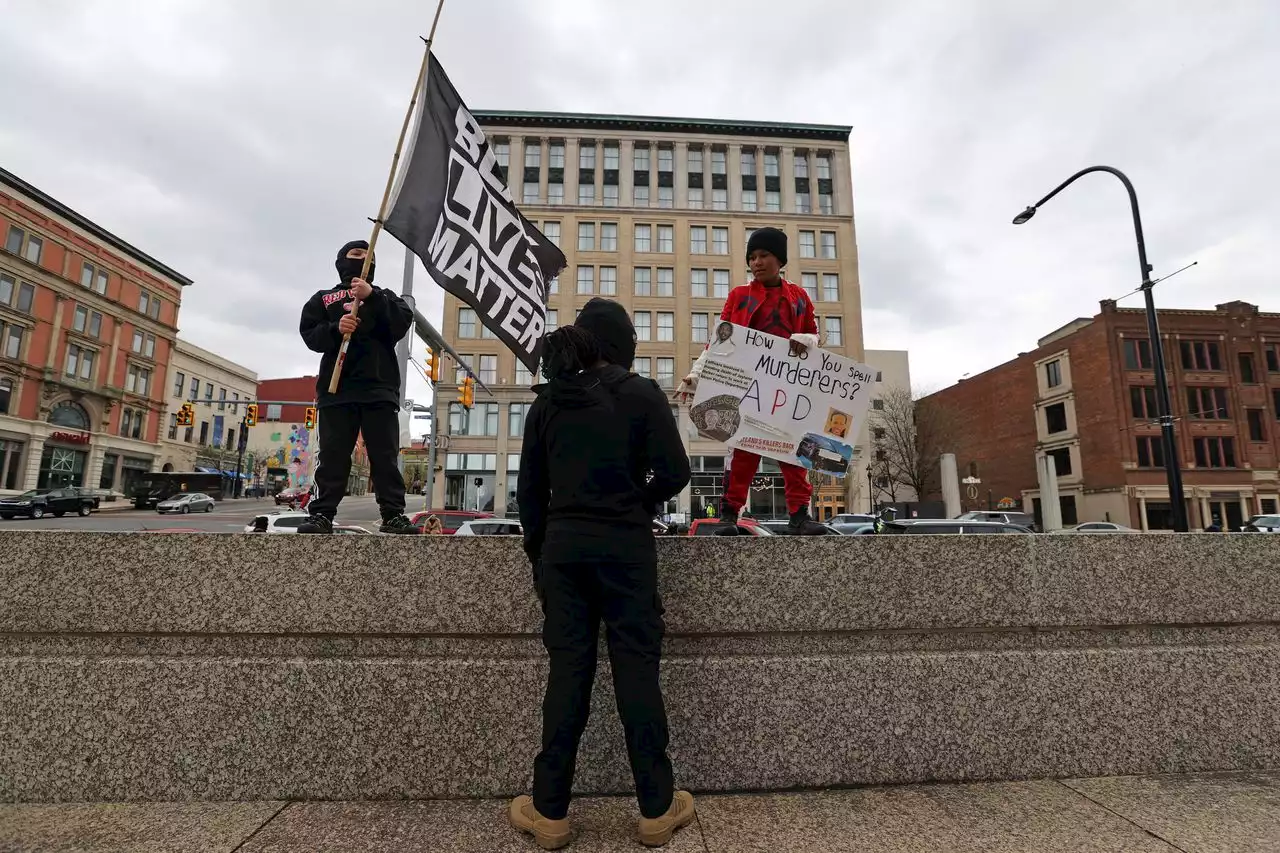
(386, 194)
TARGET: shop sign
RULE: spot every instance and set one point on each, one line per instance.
(70, 437)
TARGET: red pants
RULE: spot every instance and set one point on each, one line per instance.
(742, 468)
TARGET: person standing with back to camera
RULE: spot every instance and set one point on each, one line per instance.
(368, 397)
(601, 455)
(773, 305)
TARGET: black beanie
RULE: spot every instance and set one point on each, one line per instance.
(771, 240)
(349, 268)
(610, 324)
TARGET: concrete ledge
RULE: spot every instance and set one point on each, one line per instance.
(146, 667)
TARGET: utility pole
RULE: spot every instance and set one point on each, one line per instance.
(402, 350)
(435, 440)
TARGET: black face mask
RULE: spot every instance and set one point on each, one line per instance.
(349, 268)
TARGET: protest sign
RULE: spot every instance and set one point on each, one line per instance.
(757, 394)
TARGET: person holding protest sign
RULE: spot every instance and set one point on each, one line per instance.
(601, 455)
(773, 305)
(368, 397)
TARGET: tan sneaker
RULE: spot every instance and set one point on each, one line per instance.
(550, 834)
(657, 831)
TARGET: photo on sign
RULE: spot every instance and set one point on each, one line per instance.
(717, 418)
(820, 453)
(838, 423)
(723, 344)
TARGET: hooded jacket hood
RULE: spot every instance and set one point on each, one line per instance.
(583, 390)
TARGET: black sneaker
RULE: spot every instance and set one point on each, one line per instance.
(801, 525)
(316, 524)
(728, 521)
(397, 524)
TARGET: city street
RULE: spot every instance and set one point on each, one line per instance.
(230, 516)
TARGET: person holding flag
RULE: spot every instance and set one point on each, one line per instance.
(773, 305)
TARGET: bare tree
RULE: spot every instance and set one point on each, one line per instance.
(909, 435)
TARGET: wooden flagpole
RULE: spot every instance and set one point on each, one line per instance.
(386, 194)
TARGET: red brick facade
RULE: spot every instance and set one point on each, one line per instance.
(1087, 395)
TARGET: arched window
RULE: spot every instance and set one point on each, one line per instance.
(71, 415)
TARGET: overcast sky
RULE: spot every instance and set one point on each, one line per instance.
(242, 142)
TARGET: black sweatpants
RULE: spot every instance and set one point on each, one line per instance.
(576, 596)
(340, 425)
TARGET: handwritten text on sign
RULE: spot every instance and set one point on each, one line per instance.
(757, 393)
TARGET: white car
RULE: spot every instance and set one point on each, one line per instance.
(490, 527)
(1262, 524)
(277, 522)
(185, 503)
(1100, 527)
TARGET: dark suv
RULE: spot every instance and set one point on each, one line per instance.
(38, 503)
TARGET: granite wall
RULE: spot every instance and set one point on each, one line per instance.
(171, 667)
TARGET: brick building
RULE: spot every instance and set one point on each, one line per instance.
(88, 324)
(283, 449)
(1086, 397)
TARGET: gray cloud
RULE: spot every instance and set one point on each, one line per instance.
(243, 142)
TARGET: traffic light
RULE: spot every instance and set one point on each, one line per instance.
(186, 415)
(467, 393)
(433, 365)
(251, 415)
(310, 421)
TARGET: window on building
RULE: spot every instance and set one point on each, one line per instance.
(235, 405)
(642, 367)
(1055, 418)
(586, 236)
(532, 154)
(700, 328)
(586, 194)
(640, 196)
(666, 198)
(835, 331)
(523, 375)
(1061, 461)
(720, 241)
(1142, 402)
(694, 159)
(80, 320)
(1200, 355)
(642, 276)
(466, 323)
(131, 425)
(532, 192)
(749, 202)
(1150, 452)
(502, 153)
(1137, 354)
(823, 164)
(666, 281)
(555, 193)
(274, 411)
(644, 326)
(877, 404)
(609, 237)
(830, 287)
(1215, 452)
(808, 244)
(719, 199)
(747, 162)
(551, 230)
(1271, 352)
(86, 275)
(173, 427)
(695, 199)
(802, 165)
(1257, 431)
(804, 204)
(720, 284)
(666, 160)
(79, 364)
(553, 319)
(666, 326)
(1053, 374)
(697, 239)
(698, 283)
(489, 369)
(1207, 404)
(666, 372)
(515, 419)
(555, 155)
(640, 158)
(222, 399)
(608, 281)
(1247, 374)
(612, 158)
(587, 155)
(457, 419)
(772, 201)
(35, 246)
(586, 280)
(12, 340)
(809, 281)
(179, 384)
(14, 239)
(1275, 402)
(144, 302)
(828, 244)
(719, 164)
(138, 379)
(666, 239)
(771, 164)
(643, 238)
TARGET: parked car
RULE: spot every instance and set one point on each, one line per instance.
(93, 494)
(1262, 524)
(286, 521)
(490, 527)
(450, 519)
(952, 526)
(852, 518)
(858, 529)
(38, 503)
(746, 527)
(779, 528)
(350, 530)
(1100, 527)
(186, 502)
(1022, 519)
(293, 498)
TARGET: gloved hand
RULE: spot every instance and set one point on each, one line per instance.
(805, 340)
(688, 387)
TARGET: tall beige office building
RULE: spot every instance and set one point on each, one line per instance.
(655, 213)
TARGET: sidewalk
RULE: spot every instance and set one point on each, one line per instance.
(1202, 813)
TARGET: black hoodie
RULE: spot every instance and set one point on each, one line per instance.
(601, 454)
(371, 373)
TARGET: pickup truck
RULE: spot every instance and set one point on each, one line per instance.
(38, 503)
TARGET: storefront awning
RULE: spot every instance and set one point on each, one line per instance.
(203, 470)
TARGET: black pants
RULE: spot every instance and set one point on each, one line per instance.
(576, 597)
(340, 425)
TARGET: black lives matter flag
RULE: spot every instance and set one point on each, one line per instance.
(453, 210)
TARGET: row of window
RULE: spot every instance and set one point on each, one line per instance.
(31, 247)
(1210, 452)
(1202, 356)
(603, 237)
(228, 437)
(181, 391)
(1203, 404)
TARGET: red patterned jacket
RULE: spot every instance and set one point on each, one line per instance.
(745, 300)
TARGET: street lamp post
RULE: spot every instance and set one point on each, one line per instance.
(1173, 469)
